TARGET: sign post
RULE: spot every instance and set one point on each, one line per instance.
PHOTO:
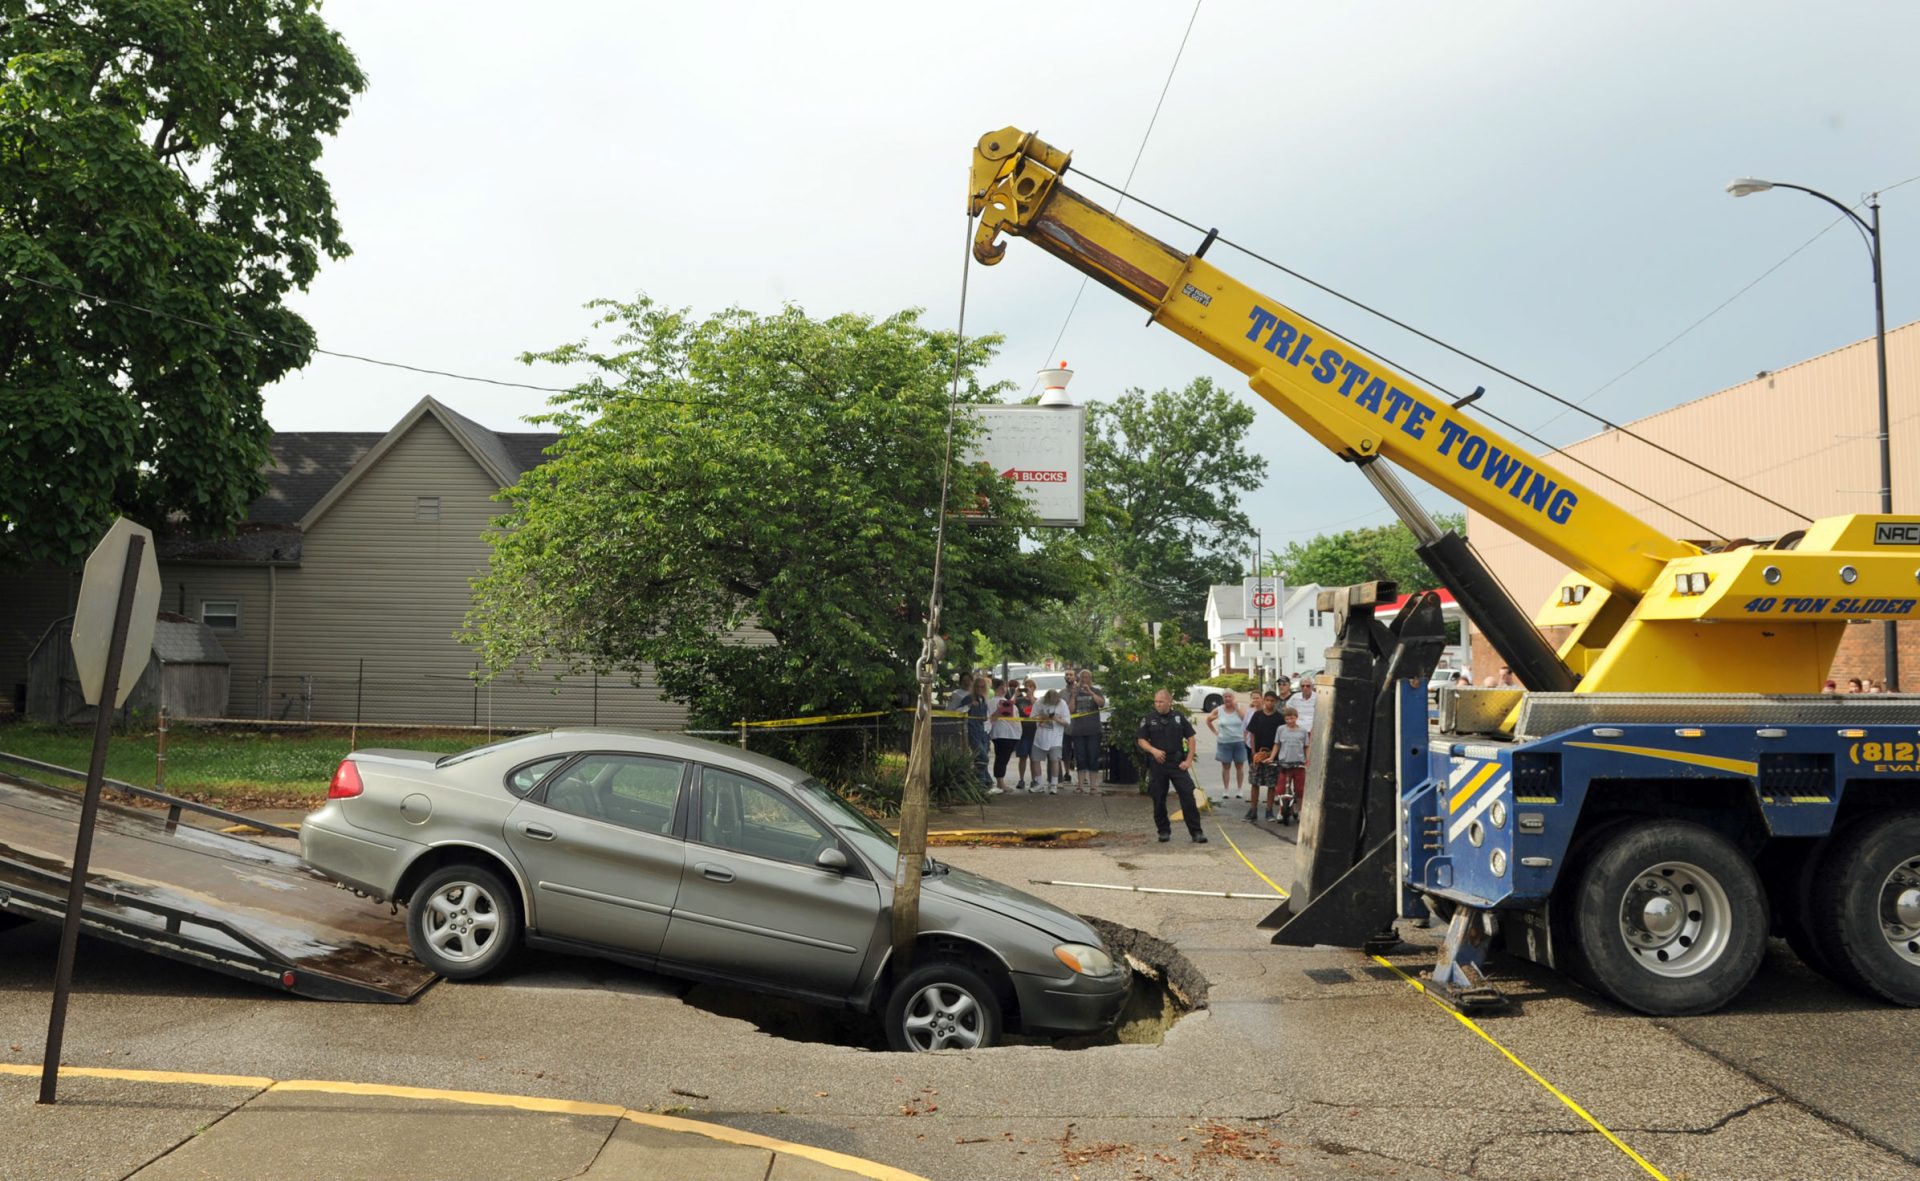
(119, 599)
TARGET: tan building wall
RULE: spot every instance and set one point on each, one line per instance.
(187, 588)
(367, 623)
(1804, 436)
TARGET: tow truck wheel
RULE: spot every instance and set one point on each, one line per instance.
(462, 922)
(1670, 918)
(1867, 906)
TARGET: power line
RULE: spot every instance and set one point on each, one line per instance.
(1457, 351)
(1166, 86)
(1722, 305)
(263, 338)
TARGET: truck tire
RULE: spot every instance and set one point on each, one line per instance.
(463, 922)
(1669, 918)
(1866, 907)
(1796, 914)
(942, 1005)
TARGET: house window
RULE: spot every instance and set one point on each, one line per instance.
(426, 508)
(222, 615)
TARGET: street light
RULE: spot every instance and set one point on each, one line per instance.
(1749, 184)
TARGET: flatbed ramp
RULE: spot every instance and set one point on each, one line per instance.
(201, 897)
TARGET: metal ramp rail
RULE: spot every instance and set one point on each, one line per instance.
(199, 896)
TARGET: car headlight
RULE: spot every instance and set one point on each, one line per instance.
(1088, 961)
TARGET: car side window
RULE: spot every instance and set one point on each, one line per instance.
(747, 816)
(522, 780)
(634, 791)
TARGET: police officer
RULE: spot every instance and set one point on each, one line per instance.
(1166, 738)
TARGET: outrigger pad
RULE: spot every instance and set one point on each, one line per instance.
(1344, 885)
(1348, 913)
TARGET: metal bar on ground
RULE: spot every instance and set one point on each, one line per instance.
(1156, 890)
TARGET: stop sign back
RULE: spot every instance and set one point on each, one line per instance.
(100, 599)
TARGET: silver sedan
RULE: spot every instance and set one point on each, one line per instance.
(702, 861)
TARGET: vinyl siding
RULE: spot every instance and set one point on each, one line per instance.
(381, 591)
(185, 586)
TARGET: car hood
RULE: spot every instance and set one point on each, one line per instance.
(961, 886)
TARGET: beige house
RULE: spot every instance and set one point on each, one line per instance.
(341, 595)
(1804, 436)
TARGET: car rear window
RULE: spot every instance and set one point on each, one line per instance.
(522, 780)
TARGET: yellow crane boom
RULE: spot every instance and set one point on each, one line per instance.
(1648, 612)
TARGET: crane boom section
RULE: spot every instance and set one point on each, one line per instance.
(1349, 401)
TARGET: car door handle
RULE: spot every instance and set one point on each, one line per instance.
(537, 832)
(717, 873)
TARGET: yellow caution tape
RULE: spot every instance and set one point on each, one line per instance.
(818, 720)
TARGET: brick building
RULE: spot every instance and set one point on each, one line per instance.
(1804, 436)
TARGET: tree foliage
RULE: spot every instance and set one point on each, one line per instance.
(160, 153)
(746, 471)
(1167, 473)
(1361, 555)
(1138, 667)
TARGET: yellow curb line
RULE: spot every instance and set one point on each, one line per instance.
(240, 828)
(145, 1076)
(668, 1123)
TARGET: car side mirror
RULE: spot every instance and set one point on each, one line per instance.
(832, 859)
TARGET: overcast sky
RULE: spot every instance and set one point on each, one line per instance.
(1539, 184)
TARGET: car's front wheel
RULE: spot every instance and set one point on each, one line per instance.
(462, 922)
(942, 1006)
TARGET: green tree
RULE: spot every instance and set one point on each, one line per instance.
(1166, 474)
(160, 153)
(1138, 667)
(1361, 555)
(746, 471)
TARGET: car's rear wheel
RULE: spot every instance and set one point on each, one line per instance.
(462, 922)
(943, 1006)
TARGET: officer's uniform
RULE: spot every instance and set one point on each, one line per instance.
(1170, 733)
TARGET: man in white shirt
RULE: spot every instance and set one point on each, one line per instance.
(1302, 702)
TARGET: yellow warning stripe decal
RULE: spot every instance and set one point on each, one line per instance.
(1712, 762)
(1474, 783)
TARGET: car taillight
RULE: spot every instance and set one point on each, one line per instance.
(346, 781)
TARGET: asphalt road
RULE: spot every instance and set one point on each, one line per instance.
(1306, 1062)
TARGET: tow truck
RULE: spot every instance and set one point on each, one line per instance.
(1668, 786)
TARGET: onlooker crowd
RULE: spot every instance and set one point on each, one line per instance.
(1012, 723)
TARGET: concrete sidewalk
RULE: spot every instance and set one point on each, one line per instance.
(157, 1126)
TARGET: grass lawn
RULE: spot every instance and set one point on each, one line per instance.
(226, 766)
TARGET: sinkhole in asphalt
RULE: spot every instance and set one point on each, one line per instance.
(1166, 987)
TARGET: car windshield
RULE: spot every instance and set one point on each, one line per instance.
(876, 842)
(490, 747)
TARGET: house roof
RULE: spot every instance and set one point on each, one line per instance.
(309, 470)
(178, 640)
(305, 467)
(1227, 600)
(503, 457)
